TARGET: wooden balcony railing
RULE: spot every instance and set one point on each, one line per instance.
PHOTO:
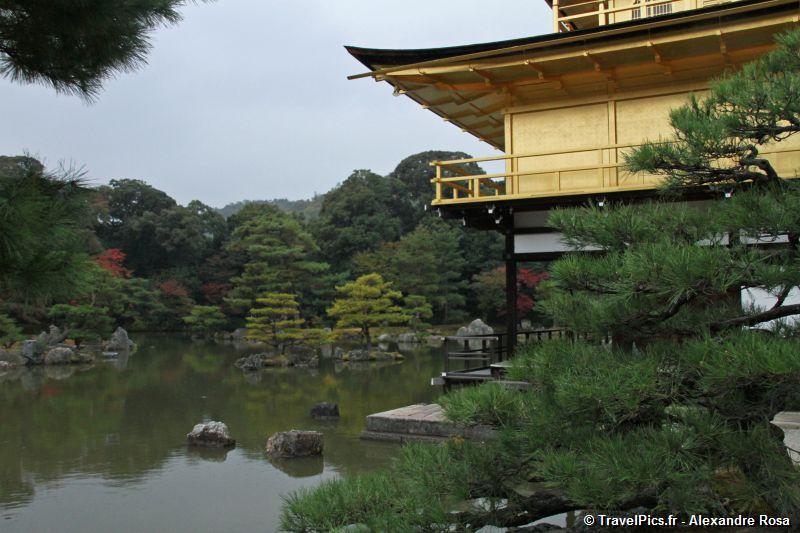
(569, 16)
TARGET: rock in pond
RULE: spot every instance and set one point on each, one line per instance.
(303, 356)
(476, 327)
(250, 363)
(364, 355)
(59, 355)
(211, 435)
(386, 338)
(12, 358)
(298, 357)
(119, 342)
(32, 352)
(434, 341)
(295, 443)
(325, 411)
(53, 336)
(239, 334)
(408, 338)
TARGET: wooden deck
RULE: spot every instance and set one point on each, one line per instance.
(481, 358)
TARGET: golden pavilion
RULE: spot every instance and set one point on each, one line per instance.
(565, 106)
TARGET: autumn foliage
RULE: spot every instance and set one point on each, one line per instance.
(113, 260)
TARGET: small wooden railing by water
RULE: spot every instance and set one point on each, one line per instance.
(480, 352)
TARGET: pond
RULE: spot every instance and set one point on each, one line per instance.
(103, 448)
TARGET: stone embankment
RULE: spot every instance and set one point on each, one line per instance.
(54, 347)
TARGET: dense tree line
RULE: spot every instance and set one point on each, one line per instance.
(128, 254)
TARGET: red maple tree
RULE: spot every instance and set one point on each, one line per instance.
(113, 260)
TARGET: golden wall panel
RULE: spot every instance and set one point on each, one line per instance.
(560, 129)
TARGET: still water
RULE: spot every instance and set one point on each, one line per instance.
(102, 448)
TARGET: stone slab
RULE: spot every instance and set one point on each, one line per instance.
(424, 422)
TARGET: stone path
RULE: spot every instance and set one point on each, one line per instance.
(418, 422)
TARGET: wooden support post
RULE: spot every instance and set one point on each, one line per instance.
(511, 288)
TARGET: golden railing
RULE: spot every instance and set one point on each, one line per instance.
(455, 184)
(607, 11)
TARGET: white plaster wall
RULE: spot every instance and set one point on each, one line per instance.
(763, 300)
(544, 243)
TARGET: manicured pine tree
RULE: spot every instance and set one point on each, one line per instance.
(276, 321)
(205, 319)
(82, 322)
(419, 311)
(278, 256)
(428, 262)
(367, 302)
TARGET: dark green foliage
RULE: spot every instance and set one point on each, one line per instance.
(82, 322)
(159, 237)
(411, 180)
(44, 235)
(417, 493)
(275, 320)
(278, 255)
(661, 422)
(418, 308)
(493, 405)
(366, 303)
(74, 46)
(359, 215)
(10, 332)
(655, 280)
(308, 209)
(205, 319)
(427, 262)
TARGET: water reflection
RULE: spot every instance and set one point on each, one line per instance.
(110, 434)
(299, 467)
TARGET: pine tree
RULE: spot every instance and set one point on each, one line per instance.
(367, 302)
(276, 321)
(44, 236)
(419, 311)
(75, 45)
(205, 319)
(428, 262)
(82, 322)
(10, 332)
(279, 256)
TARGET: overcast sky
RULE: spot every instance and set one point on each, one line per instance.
(248, 99)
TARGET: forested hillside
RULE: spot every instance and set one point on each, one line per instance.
(128, 254)
(307, 208)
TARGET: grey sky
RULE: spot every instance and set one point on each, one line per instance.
(249, 98)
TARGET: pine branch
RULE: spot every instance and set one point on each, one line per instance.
(752, 320)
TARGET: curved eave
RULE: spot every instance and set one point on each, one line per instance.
(378, 58)
(471, 86)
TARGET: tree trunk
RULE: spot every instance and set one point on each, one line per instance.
(368, 338)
